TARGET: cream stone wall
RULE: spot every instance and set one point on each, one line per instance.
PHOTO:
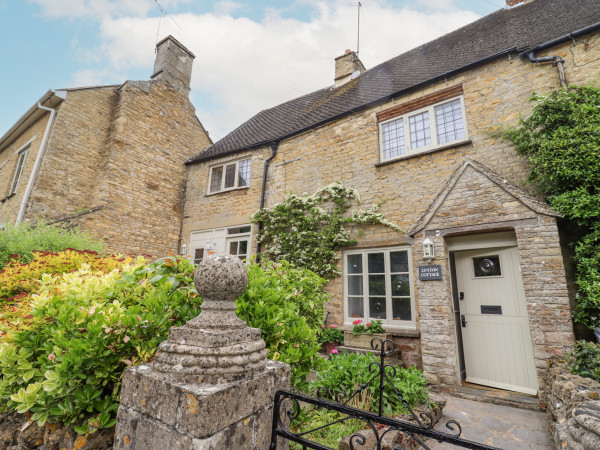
(141, 178)
(9, 206)
(116, 159)
(77, 143)
(347, 150)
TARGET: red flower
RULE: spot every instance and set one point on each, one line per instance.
(368, 324)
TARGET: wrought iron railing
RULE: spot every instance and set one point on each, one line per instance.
(419, 429)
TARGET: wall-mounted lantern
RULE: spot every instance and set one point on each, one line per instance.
(184, 249)
(428, 250)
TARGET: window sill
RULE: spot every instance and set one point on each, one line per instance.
(394, 331)
(404, 332)
(227, 190)
(425, 152)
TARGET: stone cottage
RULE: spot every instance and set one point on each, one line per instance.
(489, 305)
(97, 157)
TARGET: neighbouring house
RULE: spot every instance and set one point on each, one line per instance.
(108, 158)
(491, 306)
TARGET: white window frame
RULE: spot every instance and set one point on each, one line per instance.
(220, 240)
(236, 176)
(432, 128)
(21, 156)
(389, 323)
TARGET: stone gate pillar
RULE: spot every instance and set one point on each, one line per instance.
(210, 385)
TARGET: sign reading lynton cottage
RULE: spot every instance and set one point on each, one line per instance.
(433, 272)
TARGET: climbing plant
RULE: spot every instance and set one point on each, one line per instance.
(561, 138)
(309, 230)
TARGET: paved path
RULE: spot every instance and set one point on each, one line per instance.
(500, 426)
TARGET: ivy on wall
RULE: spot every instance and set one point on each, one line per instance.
(309, 230)
(561, 138)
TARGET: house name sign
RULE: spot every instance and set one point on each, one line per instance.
(431, 272)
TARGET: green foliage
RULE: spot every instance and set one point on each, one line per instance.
(286, 303)
(23, 239)
(87, 326)
(309, 230)
(584, 360)
(346, 372)
(369, 328)
(561, 138)
(331, 333)
(68, 366)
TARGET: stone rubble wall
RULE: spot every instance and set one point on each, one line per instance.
(573, 405)
(19, 432)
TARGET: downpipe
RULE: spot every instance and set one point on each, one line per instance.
(274, 147)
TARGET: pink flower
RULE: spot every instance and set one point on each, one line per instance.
(333, 325)
(368, 324)
(334, 351)
(51, 356)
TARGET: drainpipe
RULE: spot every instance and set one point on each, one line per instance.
(558, 62)
(37, 163)
(274, 146)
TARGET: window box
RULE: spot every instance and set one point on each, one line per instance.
(363, 340)
(229, 176)
(422, 130)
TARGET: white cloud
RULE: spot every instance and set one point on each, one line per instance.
(243, 66)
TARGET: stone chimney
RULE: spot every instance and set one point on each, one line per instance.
(173, 64)
(347, 67)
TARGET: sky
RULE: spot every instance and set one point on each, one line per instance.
(250, 54)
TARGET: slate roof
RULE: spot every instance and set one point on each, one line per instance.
(505, 31)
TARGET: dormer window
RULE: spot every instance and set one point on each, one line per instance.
(228, 176)
(434, 121)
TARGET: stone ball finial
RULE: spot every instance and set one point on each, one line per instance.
(221, 277)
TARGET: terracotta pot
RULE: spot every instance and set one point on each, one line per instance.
(363, 340)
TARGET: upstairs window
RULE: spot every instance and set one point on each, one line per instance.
(423, 129)
(22, 155)
(233, 175)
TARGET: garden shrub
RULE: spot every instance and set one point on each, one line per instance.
(19, 277)
(561, 138)
(584, 360)
(23, 239)
(308, 231)
(346, 373)
(68, 367)
(286, 303)
(87, 327)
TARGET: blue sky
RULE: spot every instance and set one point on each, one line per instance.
(250, 55)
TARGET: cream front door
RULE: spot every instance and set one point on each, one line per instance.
(497, 346)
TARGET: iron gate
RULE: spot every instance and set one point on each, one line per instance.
(416, 430)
